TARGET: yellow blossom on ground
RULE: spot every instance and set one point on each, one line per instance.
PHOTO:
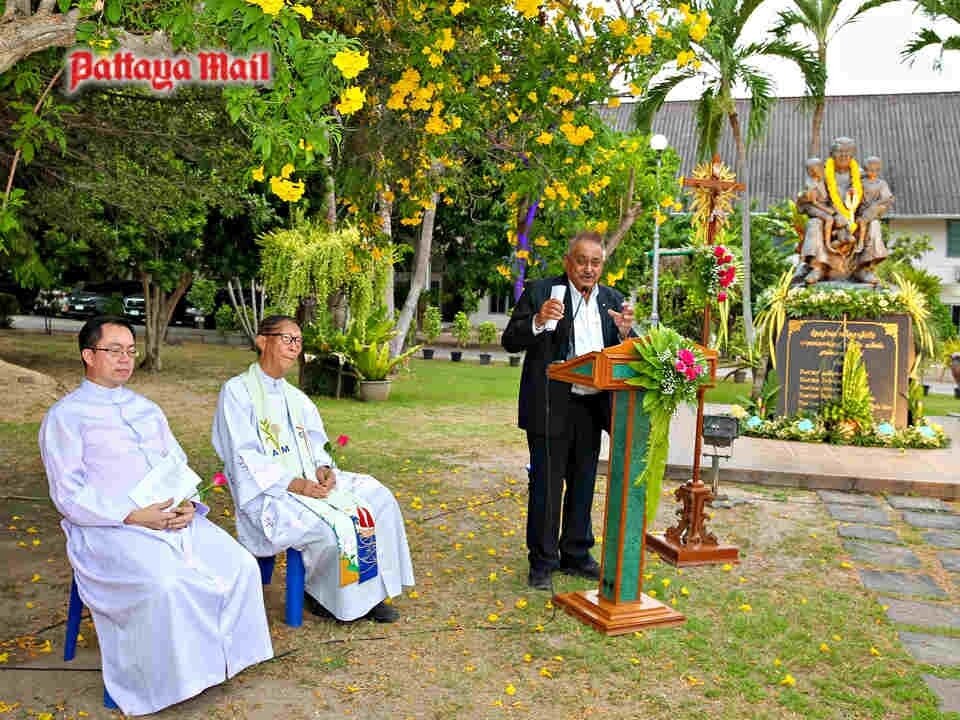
(684, 591)
(258, 174)
(458, 7)
(836, 638)
(874, 651)
(824, 648)
(544, 138)
(306, 12)
(35, 578)
(845, 565)
(803, 601)
(351, 63)
(492, 617)
(788, 680)
(726, 567)
(545, 672)
(527, 657)
(777, 662)
(4, 657)
(45, 716)
(528, 8)
(269, 7)
(538, 628)
(746, 607)
(413, 594)
(510, 689)
(520, 604)
(492, 577)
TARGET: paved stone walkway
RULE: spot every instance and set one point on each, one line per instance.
(903, 548)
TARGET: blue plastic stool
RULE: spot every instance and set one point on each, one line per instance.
(74, 611)
(296, 582)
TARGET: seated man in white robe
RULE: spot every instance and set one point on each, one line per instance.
(176, 602)
(289, 493)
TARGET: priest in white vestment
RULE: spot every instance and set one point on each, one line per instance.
(176, 602)
(289, 493)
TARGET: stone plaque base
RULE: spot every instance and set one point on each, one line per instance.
(618, 618)
(810, 363)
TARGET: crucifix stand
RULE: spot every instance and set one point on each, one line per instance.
(689, 542)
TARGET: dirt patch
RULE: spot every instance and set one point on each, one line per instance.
(26, 393)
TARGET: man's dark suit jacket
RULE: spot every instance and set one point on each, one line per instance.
(547, 347)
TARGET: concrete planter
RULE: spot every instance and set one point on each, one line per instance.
(374, 390)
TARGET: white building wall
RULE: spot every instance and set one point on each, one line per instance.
(935, 261)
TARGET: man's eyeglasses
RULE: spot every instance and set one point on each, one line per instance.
(117, 353)
(286, 338)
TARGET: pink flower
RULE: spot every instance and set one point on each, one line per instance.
(680, 366)
(686, 357)
(725, 281)
(343, 440)
(218, 479)
(719, 251)
(690, 373)
(699, 370)
(727, 259)
(721, 297)
(732, 272)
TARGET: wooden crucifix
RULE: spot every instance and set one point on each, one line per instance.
(689, 542)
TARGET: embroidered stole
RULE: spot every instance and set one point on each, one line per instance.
(351, 522)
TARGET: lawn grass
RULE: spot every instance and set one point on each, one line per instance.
(474, 641)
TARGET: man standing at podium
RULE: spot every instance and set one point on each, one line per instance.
(564, 422)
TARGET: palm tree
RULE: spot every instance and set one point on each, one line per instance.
(935, 10)
(728, 64)
(819, 19)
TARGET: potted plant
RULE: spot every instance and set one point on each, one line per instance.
(374, 364)
(430, 329)
(461, 331)
(487, 335)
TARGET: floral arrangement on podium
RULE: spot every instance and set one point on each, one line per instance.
(670, 370)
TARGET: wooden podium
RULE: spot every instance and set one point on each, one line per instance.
(618, 606)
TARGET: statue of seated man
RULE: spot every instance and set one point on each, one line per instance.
(847, 253)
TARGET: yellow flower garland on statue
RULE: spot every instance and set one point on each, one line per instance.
(845, 210)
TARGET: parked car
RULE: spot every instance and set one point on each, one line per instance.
(135, 308)
(50, 302)
(90, 299)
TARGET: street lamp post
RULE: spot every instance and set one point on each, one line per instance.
(658, 143)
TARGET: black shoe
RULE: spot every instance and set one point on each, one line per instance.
(311, 604)
(589, 569)
(383, 613)
(540, 580)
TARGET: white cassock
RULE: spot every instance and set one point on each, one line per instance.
(175, 611)
(269, 517)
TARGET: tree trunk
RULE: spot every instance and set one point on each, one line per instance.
(418, 279)
(816, 129)
(331, 199)
(745, 228)
(158, 311)
(386, 228)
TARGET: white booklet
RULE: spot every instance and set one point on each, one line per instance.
(168, 479)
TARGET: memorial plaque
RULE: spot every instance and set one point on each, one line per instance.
(810, 363)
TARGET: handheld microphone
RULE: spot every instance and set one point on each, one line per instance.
(557, 292)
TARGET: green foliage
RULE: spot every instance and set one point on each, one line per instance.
(431, 323)
(310, 260)
(202, 295)
(462, 328)
(373, 361)
(764, 405)
(915, 401)
(8, 306)
(854, 413)
(665, 387)
(226, 319)
(114, 305)
(487, 332)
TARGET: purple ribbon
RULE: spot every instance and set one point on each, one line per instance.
(523, 242)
